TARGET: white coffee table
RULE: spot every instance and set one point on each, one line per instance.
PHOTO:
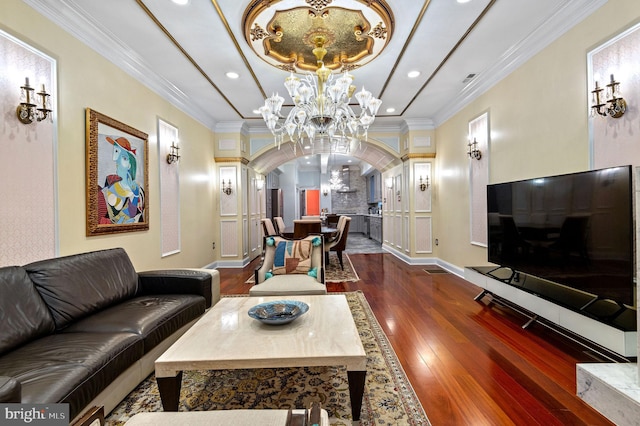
(219, 418)
(227, 338)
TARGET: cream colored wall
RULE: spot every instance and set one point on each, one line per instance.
(86, 79)
(538, 117)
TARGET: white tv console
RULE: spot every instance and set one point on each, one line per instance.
(615, 339)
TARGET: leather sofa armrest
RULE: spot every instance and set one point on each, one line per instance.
(203, 282)
(10, 390)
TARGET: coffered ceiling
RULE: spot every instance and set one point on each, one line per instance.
(185, 52)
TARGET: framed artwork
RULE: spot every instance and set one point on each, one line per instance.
(117, 168)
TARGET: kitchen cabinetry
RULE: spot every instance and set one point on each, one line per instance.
(375, 228)
(357, 223)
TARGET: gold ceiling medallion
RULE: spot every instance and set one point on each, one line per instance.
(318, 4)
(379, 31)
(258, 33)
(283, 32)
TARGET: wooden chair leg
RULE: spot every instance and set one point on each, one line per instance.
(340, 259)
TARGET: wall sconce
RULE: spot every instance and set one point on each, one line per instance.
(173, 156)
(423, 184)
(259, 184)
(226, 187)
(28, 111)
(473, 151)
(616, 104)
(325, 190)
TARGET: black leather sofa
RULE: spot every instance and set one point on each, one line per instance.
(85, 329)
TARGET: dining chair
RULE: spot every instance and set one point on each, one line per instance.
(332, 220)
(267, 227)
(304, 227)
(339, 243)
(279, 224)
(310, 217)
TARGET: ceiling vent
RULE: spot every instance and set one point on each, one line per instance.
(469, 77)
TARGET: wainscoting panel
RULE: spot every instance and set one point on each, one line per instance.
(28, 174)
(405, 234)
(422, 199)
(423, 235)
(228, 203)
(169, 190)
(229, 237)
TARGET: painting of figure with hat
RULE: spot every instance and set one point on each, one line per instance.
(117, 176)
(123, 196)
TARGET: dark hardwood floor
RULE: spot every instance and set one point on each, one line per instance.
(470, 362)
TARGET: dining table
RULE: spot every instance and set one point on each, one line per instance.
(328, 232)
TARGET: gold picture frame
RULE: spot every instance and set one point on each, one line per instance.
(117, 176)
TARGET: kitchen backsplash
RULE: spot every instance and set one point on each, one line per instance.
(351, 202)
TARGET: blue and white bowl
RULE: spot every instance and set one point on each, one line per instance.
(278, 311)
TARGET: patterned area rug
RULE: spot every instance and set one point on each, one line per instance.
(389, 398)
(333, 273)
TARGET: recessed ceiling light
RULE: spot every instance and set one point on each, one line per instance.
(390, 110)
(349, 161)
(307, 147)
(232, 75)
(413, 74)
(464, 1)
(255, 111)
(180, 2)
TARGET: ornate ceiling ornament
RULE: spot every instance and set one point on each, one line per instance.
(283, 32)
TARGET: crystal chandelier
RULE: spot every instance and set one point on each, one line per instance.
(321, 105)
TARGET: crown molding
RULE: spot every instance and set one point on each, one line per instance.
(233, 127)
(415, 155)
(413, 124)
(69, 15)
(242, 160)
(566, 17)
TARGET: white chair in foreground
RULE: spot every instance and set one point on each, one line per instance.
(290, 267)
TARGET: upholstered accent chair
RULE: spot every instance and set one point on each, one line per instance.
(339, 243)
(291, 267)
(268, 228)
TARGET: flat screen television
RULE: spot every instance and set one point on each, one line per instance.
(574, 229)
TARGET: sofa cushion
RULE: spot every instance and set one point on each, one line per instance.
(154, 318)
(23, 314)
(71, 367)
(180, 281)
(10, 390)
(78, 285)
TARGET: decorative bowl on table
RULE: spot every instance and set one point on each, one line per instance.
(278, 311)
